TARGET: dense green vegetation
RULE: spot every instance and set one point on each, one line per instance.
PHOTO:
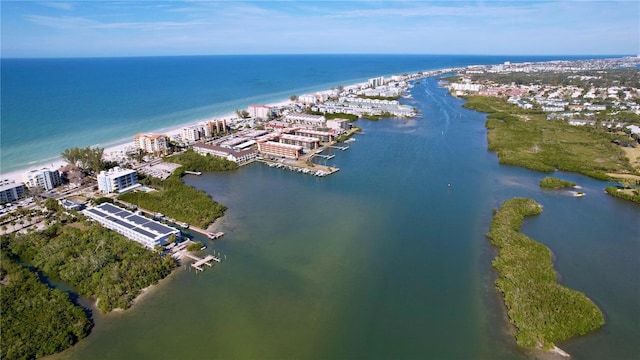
(525, 138)
(192, 161)
(349, 117)
(88, 159)
(195, 246)
(378, 97)
(555, 183)
(626, 194)
(348, 134)
(451, 78)
(179, 201)
(94, 261)
(35, 320)
(542, 311)
(385, 114)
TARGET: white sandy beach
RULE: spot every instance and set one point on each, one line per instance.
(123, 145)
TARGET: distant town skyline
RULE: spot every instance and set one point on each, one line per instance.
(156, 28)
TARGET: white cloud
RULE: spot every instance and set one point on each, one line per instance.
(70, 22)
(58, 5)
(61, 22)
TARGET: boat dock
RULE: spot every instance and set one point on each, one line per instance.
(303, 167)
(318, 154)
(343, 148)
(202, 261)
(180, 252)
(328, 157)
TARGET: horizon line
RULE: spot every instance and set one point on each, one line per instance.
(309, 54)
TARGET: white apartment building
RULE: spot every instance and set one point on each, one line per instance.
(191, 133)
(10, 191)
(239, 157)
(259, 111)
(135, 227)
(465, 87)
(308, 99)
(45, 178)
(375, 82)
(306, 119)
(338, 124)
(151, 143)
(117, 180)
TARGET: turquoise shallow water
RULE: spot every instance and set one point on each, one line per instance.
(383, 259)
(49, 105)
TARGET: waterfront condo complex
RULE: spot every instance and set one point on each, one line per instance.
(147, 232)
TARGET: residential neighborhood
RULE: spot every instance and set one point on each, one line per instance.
(603, 93)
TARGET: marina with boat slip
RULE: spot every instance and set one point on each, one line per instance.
(306, 164)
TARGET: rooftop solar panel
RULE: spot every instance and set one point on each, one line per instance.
(109, 208)
(122, 214)
(138, 219)
(144, 232)
(162, 229)
(122, 223)
(95, 212)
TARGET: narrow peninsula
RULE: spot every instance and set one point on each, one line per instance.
(542, 311)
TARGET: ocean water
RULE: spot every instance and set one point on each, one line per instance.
(382, 260)
(48, 105)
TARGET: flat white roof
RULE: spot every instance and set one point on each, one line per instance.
(140, 224)
(290, 146)
(299, 138)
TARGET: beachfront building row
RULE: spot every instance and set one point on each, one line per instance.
(307, 120)
(138, 228)
(46, 178)
(203, 130)
(382, 91)
(375, 82)
(151, 143)
(11, 191)
(117, 180)
(337, 108)
(364, 106)
(308, 99)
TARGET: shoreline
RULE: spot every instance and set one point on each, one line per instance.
(118, 146)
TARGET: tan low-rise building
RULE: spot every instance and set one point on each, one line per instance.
(273, 148)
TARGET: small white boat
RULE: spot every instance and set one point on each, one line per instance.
(214, 236)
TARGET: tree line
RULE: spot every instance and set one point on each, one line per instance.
(36, 321)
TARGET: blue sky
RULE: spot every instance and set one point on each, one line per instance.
(141, 28)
